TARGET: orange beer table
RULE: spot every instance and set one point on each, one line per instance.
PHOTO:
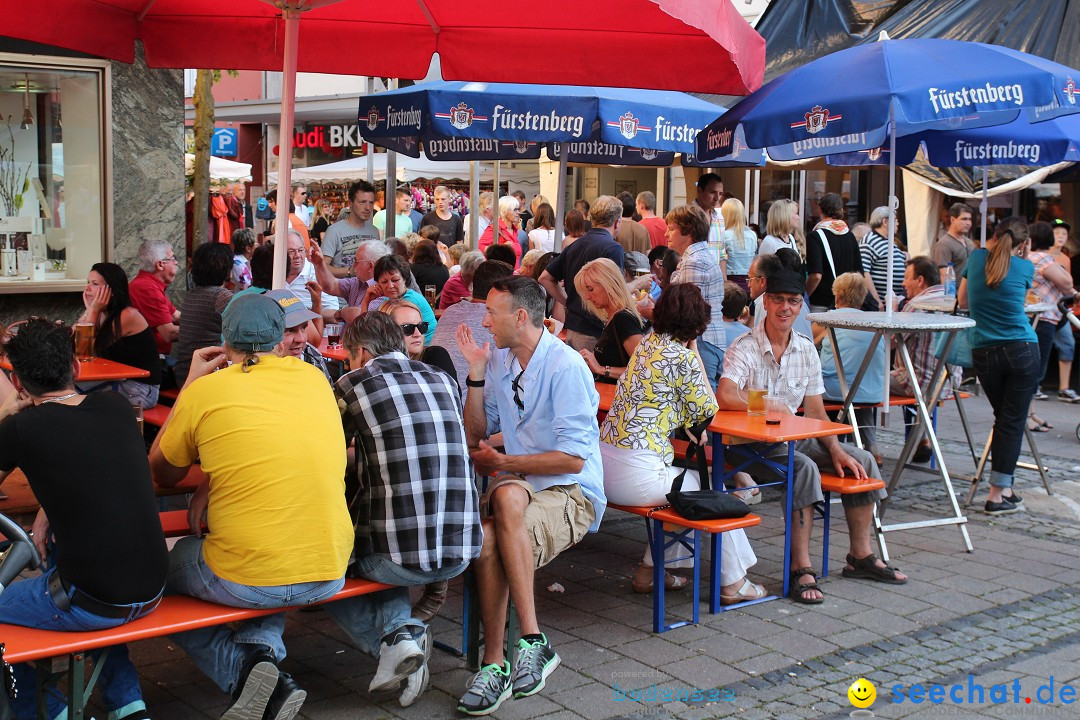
(101, 370)
(21, 501)
(735, 428)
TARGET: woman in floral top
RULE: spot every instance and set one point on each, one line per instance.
(665, 389)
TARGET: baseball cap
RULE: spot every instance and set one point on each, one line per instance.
(295, 312)
(635, 262)
(1058, 222)
(785, 281)
(253, 323)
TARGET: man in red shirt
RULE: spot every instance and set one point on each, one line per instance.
(157, 269)
(646, 207)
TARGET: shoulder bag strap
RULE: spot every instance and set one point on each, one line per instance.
(828, 251)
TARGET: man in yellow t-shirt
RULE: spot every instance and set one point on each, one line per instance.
(268, 435)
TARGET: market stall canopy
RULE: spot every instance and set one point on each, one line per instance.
(220, 169)
(408, 170)
(637, 43)
(797, 33)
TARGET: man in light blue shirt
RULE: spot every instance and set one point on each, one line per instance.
(547, 489)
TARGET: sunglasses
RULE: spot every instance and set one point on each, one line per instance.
(410, 328)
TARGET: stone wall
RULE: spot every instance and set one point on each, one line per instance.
(147, 179)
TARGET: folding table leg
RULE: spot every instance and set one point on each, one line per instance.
(967, 427)
(76, 689)
(1038, 459)
(787, 516)
(659, 587)
(979, 468)
(715, 548)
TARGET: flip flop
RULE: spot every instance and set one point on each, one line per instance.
(1040, 422)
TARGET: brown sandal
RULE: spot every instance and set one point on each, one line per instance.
(867, 569)
(797, 588)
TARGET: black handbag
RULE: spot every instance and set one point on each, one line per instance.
(704, 504)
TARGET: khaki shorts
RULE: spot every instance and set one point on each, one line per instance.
(555, 519)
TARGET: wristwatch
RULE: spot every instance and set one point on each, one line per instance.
(469, 382)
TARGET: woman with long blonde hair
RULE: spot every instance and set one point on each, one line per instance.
(1005, 348)
(740, 242)
(322, 219)
(601, 285)
(782, 228)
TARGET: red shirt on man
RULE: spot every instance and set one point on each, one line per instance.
(148, 297)
(657, 230)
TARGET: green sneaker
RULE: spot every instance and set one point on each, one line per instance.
(532, 665)
(486, 690)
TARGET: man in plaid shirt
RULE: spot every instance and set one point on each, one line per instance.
(417, 515)
(792, 369)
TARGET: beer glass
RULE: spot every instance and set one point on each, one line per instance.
(775, 409)
(429, 294)
(138, 412)
(333, 334)
(84, 341)
(756, 389)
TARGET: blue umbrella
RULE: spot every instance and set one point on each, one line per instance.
(499, 121)
(844, 101)
(651, 119)
(850, 100)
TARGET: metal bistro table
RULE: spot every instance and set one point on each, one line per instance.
(1035, 311)
(897, 326)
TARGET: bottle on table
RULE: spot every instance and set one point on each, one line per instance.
(948, 279)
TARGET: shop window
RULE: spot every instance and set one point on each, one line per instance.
(53, 211)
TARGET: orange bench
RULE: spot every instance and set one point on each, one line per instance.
(157, 415)
(659, 541)
(175, 614)
(841, 486)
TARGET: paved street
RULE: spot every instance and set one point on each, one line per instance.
(1007, 612)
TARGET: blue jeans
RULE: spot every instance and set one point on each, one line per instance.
(29, 604)
(1045, 331)
(1008, 374)
(219, 651)
(713, 359)
(369, 618)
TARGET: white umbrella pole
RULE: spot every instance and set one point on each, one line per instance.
(560, 201)
(390, 188)
(474, 206)
(288, 99)
(746, 192)
(757, 197)
(982, 211)
(370, 147)
(892, 249)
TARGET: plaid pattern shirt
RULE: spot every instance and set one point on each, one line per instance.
(796, 375)
(698, 266)
(419, 507)
(921, 349)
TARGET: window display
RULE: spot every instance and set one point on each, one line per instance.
(52, 171)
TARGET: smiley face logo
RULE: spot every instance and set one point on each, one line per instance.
(862, 693)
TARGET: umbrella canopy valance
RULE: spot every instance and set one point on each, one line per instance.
(475, 39)
(442, 113)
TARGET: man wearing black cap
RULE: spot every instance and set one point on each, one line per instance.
(792, 368)
(274, 501)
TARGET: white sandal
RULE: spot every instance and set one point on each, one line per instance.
(748, 591)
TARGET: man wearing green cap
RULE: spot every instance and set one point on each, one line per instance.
(271, 475)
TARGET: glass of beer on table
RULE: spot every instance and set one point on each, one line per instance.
(333, 334)
(756, 389)
(430, 292)
(84, 341)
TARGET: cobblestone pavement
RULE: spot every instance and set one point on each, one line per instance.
(1006, 615)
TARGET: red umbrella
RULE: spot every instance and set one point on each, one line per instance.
(619, 43)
